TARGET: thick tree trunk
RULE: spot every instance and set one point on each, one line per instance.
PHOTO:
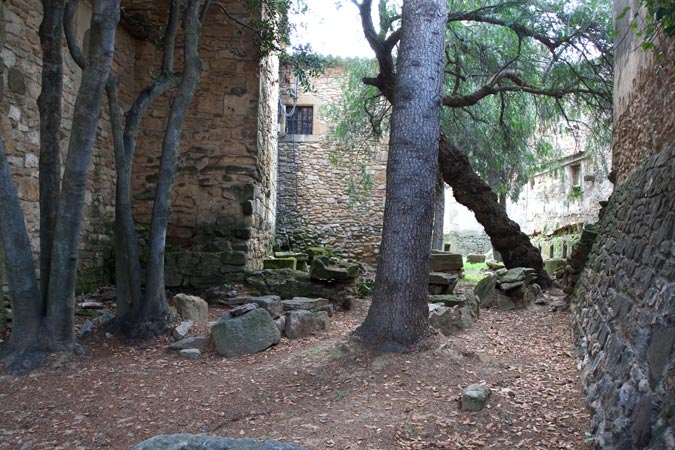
(63, 271)
(155, 305)
(471, 191)
(457, 170)
(439, 214)
(398, 315)
(24, 293)
(49, 104)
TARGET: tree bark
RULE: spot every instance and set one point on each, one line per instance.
(63, 271)
(127, 263)
(24, 293)
(456, 168)
(471, 191)
(49, 104)
(155, 305)
(398, 315)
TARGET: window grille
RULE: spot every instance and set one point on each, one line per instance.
(301, 121)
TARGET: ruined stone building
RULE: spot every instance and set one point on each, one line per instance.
(315, 206)
(624, 303)
(224, 203)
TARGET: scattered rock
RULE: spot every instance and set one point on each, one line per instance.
(442, 283)
(495, 265)
(281, 323)
(244, 335)
(181, 330)
(199, 342)
(453, 313)
(243, 309)
(90, 304)
(326, 268)
(475, 396)
(191, 307)
(271, 303)
(304, 323)
(190, 353)
(203, 442)
(86, 328)
(304, 303)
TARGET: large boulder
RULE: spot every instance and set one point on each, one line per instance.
(191, 307)
(304, 323)
(203, 442)
(243, 335)
(485, 290)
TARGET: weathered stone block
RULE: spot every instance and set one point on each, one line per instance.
(243, 335)
(280, 263)
(304, 323)
(191, 307)
(446, 262)
(475, 258)
(271, 303)
(332, 269)
(199, 342)
(304, 303)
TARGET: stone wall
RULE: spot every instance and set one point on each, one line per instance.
(314, 207)
(624, 310)
(644, 110)
(223, 191)
(20, 57)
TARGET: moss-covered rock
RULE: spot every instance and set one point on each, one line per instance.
(280, 263)
(332, 269)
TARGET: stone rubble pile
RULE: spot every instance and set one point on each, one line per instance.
(508, 289)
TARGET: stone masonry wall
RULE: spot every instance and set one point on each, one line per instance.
(314, 207)
(624, 310)
(21, 60)
(223, 187)
(644, 110)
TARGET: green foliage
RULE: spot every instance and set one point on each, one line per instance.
(660, 16)
(475, 266)
(360, 122)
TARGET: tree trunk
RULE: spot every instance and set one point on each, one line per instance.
(398, 315)
(471, 191)
(24, 293)
(49, 104)
(155, 305)
(63, 271)
(439, 214)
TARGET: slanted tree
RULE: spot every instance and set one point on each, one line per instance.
(547, 50)
(42, 322)
(398, 316)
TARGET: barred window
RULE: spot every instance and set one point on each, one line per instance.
(301, 120)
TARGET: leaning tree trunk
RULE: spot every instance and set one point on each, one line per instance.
(471, 191)
(398, 316)
(49, 104)
(155, 306)
(24, 293)
(63, 271)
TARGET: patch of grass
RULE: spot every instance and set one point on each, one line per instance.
(317, 351)
(475, 266)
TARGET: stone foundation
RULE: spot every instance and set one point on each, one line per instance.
(624, 312)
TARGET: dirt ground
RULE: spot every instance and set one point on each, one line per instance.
(315, 392)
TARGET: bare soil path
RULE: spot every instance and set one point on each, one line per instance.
(315, 392)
